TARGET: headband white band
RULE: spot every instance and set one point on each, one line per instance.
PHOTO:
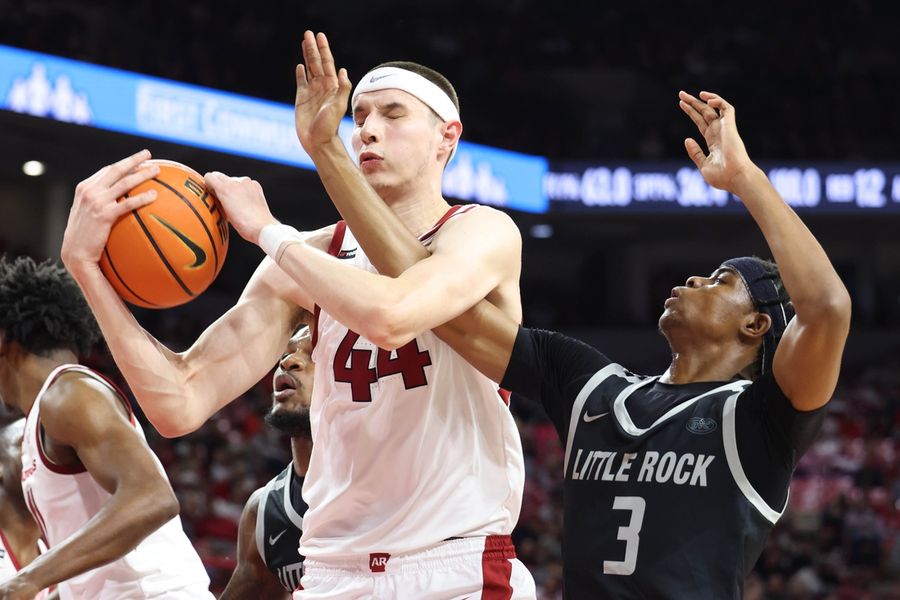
(393, 78)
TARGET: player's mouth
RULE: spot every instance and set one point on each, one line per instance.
(369, 160)
(672, 299)
(284, 387)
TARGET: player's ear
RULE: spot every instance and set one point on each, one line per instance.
(756, 324)
(450, 134)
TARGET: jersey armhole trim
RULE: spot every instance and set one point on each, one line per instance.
(9, 552)
(337, 240)
(261, 520)
(290, 511)
(592, 384)
(729, 440)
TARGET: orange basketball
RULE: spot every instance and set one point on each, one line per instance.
(168, 252)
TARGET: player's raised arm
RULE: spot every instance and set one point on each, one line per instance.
(484, 335)
(807, 359)
(321, 102)
(80, 413)
(178, 392)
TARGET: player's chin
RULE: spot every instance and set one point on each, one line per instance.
(667, 319)
(293, 420)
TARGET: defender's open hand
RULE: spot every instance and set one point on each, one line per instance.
(322, 93)
(714, 118)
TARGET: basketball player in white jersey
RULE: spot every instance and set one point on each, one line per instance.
(20, 537)
(99, 495)
(269, 564)
(416, 474)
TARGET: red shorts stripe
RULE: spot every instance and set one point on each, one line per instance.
(496, 567)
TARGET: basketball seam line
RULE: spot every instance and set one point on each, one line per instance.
(196, 214)
(161, 255)
(119, 277)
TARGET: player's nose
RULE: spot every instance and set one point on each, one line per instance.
(292, 361)
(694, 281)
(370, 130)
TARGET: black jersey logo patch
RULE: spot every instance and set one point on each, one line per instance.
(701, 425)
(345, 254)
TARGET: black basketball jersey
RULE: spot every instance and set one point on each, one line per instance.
(279, 525)
(658, 503)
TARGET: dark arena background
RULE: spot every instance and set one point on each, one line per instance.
(571, 126)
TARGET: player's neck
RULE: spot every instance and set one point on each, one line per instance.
(20, 530)
(712, 363)
(300, 450)
(418, 207)
(31, 373)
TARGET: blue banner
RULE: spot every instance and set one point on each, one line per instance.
(86, 94)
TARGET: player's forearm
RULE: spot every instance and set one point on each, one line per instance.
(125, 520)
(480, 335)
(806, 271)
(484, 336)
(153, 371)
(389, 245)
(365, 302)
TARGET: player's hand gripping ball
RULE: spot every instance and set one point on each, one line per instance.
(167, 252)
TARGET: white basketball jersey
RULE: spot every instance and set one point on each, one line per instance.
(9, 564)
(411, 447)
(63, 498)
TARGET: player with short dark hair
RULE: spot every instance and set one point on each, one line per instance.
(672, 482)
(269, 565)
(99, 495)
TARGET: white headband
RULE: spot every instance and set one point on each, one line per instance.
(393, 78)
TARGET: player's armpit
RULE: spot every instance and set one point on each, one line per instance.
(84, 414)
(251, 578)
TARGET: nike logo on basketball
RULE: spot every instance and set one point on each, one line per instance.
(373, 79)
(272, 540)
(199, 253)
(591, 418)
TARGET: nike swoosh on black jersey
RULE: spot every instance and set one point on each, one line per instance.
(274, 539)
(199, 253)
(591, 418)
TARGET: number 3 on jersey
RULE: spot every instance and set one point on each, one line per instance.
(628, 534)
(351, 365)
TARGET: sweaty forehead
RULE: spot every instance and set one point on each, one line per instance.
(379, 98)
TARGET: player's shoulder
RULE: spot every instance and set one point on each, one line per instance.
(75, 392)
(478, 222)
(77, 404)
(480, 215)
(251, 508)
